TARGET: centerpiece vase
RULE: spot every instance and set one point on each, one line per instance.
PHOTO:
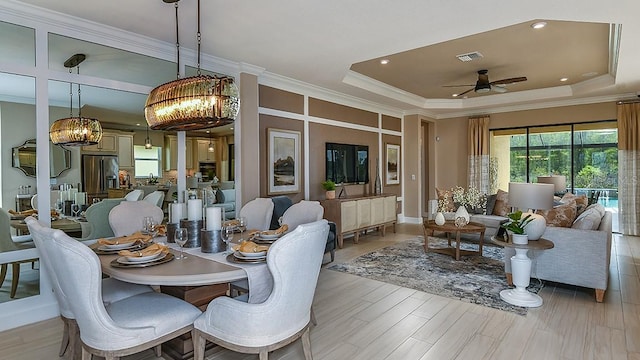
(378, 185)
(462, 212)
(440, 218)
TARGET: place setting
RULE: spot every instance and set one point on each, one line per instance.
(248, 252)
(154, 254)
(268, 236)
(134, 242)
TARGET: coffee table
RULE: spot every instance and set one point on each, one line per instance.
(450, 228)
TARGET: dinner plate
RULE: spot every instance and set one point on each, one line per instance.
(268, 236)
(117, 246)
(103, 251)
(253, 254)
(139, 259)
(241, 256)
(232, 258)
(160, 260)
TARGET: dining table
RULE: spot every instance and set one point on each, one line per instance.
(198, 279)
(71, 226)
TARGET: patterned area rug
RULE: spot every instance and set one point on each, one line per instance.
(474, 279)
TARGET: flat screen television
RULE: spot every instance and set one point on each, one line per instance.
(347, 164)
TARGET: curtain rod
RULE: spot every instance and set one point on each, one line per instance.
(632, 101)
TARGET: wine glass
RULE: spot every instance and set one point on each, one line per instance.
(149, 225)
(180, 237)
(226, 234)
(242, 226)
(75, 210)
(59, 206)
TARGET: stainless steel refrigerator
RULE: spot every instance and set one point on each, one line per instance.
(99, 174)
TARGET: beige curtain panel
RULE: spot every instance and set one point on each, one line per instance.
(628, 168)
(478, 172)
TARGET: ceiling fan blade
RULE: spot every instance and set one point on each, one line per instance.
(458, 85)
(462, 93)
(508, 81)
(499, 89)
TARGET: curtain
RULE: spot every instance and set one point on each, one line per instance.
(628, 167)
(479, 154)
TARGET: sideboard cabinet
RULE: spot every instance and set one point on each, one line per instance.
(353, 215)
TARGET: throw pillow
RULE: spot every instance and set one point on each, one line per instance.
(219, 197)
(501, 207)
(590, 218)
(560, 216)
(445, 197)
(581, 201)
(491, 203)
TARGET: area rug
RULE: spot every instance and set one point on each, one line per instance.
(475, 279)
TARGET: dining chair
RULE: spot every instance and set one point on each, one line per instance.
(126, 218)
(123, 327)
(257, 213)
(134, 195)
(294, 262)
(7, 244)
(112, 290)
(310, 211)
(97, 216)
(156, 198)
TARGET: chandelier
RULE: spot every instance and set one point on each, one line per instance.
(75, 130)
(193, 103)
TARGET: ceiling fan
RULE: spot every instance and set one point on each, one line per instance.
(483, 84)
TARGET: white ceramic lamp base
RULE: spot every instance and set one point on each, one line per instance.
(521, 272)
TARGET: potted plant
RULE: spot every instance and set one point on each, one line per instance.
(516, 227)
(330, 188)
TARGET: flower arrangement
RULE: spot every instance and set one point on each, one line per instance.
(516, 223)
(471, 199)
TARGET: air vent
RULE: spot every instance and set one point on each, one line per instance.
(469, 56)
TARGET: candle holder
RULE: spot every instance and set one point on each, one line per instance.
(171, 232)
(193, 230)
(212, 241)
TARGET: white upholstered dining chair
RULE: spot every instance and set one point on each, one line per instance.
(134, 195)
(122, 327)
(126, 218)
(156, 198)
(294, 262)
(112, 290)
(301, 213)
(7, 244)
(257, 213)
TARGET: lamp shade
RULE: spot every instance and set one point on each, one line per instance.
(198, 102)
(559, 182)
(75, 131)
(531, 196)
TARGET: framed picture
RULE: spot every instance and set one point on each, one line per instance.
(392, 168)
(284, 161)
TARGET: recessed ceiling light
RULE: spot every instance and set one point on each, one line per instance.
(138, 124)
(539, 25)
(564, 79)
(455, 95)
(384, 61)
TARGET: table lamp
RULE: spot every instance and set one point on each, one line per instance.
(531, 197)
(559, 182)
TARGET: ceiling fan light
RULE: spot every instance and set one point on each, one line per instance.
(483, 88)
(193, 103)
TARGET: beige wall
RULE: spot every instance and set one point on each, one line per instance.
(246, 170)
(451, 150)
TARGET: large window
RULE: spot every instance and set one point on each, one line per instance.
(148, 161)
(586, 153)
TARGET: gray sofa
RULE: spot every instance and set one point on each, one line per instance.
(579, 257)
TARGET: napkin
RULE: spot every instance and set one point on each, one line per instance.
(232, 223)
(162, 230)
(279, 231)
(148, 251)
(135, 237)
(250, 246)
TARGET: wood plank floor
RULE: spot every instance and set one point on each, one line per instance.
(366, 319)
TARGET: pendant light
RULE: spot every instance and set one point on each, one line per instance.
(210, 149)
(75, 130)
(193, 103)
(147, 141)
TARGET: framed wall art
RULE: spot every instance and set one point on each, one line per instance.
(284, 161)
(392, 167)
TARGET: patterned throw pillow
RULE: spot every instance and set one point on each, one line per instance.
(581, 201)
(501, 207)
(446, 196)
(561, 215)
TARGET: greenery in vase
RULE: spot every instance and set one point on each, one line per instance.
(516, 223)
(328, 185)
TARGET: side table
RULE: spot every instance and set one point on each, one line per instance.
(521, 272)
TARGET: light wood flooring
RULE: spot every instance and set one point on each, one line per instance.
(360, 319)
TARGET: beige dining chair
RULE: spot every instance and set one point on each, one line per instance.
(257, 213)
(97, 215)
(123, 327)
(134, 195)
(127, 217)
(7, 244)
(156, 198)
(294, 262)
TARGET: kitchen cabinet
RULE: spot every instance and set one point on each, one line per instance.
(202, 151)
(125, 151)
(360, 213)
(108, 144)
(171, 153)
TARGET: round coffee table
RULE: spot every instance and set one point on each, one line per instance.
(521, 272)
(449, 227)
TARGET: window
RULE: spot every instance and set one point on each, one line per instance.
(147, 161)
(585, 153)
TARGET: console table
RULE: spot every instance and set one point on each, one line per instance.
(354, 214)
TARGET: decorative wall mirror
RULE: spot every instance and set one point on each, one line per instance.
(24, 158)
